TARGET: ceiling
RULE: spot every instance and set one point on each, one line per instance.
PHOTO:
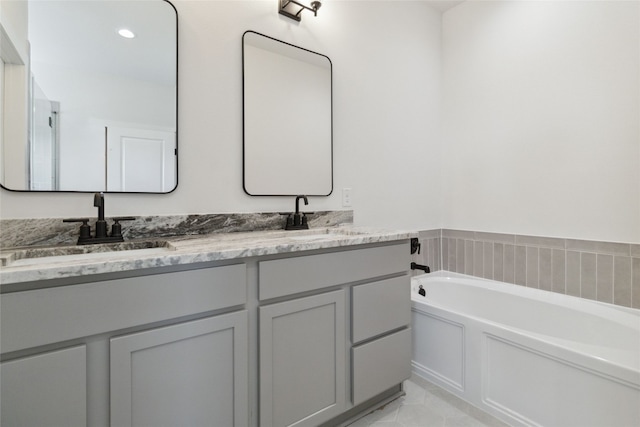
(83, 35)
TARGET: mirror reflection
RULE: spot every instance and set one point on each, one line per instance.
(89, 106)
(287, 119)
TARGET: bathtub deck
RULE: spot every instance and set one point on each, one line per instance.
(427, 405)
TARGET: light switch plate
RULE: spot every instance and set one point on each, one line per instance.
(346, 197)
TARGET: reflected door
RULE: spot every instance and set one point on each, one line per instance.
(140, 160)
(43, 143)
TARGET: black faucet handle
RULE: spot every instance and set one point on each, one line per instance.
(116, 228)
(75, 220)
(85, 228)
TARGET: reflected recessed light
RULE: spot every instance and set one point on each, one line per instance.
(127, 34)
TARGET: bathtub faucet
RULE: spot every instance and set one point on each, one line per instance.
(425, 268)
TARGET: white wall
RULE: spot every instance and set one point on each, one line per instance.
(386, 70)
(542, 118)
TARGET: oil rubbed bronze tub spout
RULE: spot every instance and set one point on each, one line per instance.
(425, 268)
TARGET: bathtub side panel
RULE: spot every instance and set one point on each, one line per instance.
(537, 388)
(438, 348)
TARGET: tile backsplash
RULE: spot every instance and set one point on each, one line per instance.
(602, 271)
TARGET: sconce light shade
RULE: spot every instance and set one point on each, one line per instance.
(292, 8)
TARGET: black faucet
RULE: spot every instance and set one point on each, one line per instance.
(299, 219)
(101, 224)
(101, 235)
(306, 202)
(424, 268)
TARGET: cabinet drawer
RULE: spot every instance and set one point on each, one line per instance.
(380, 307)
(379, 365)
(307, 273)
(45, 316)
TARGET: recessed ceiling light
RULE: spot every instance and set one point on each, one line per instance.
(127, 34)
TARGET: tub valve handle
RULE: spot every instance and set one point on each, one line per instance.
(415, 245)
(421, 291)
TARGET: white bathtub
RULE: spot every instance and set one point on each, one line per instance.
(527, 356)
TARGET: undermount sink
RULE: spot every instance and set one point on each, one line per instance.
(318, 234)
(308, 237)
(23, 257)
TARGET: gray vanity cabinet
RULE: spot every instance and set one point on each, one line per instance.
(160, 349)
(47, 389)
(312, 338)
(311, 369)
(190, 374)
(302, 364)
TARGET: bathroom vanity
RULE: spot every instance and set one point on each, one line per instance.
(252, 329)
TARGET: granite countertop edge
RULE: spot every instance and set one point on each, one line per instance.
(206, 248)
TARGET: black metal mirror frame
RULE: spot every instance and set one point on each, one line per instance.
(176, 137)
(244, 119)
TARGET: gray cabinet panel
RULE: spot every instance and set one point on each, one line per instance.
(380, 307)
(302, 360)
(306, 273)
(45, 390)
(45, 316)
(190, 374)
(381, 364)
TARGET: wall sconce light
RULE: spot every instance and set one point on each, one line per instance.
(292, 9)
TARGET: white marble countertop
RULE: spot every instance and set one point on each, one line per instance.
(21, 267)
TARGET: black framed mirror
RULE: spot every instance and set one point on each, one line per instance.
(287, 119)
(89, 106)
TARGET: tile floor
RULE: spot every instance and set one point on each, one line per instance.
(427, 405)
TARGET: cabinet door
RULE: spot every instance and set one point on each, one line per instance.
(45, 390)
(302, 360)
(191, 374)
